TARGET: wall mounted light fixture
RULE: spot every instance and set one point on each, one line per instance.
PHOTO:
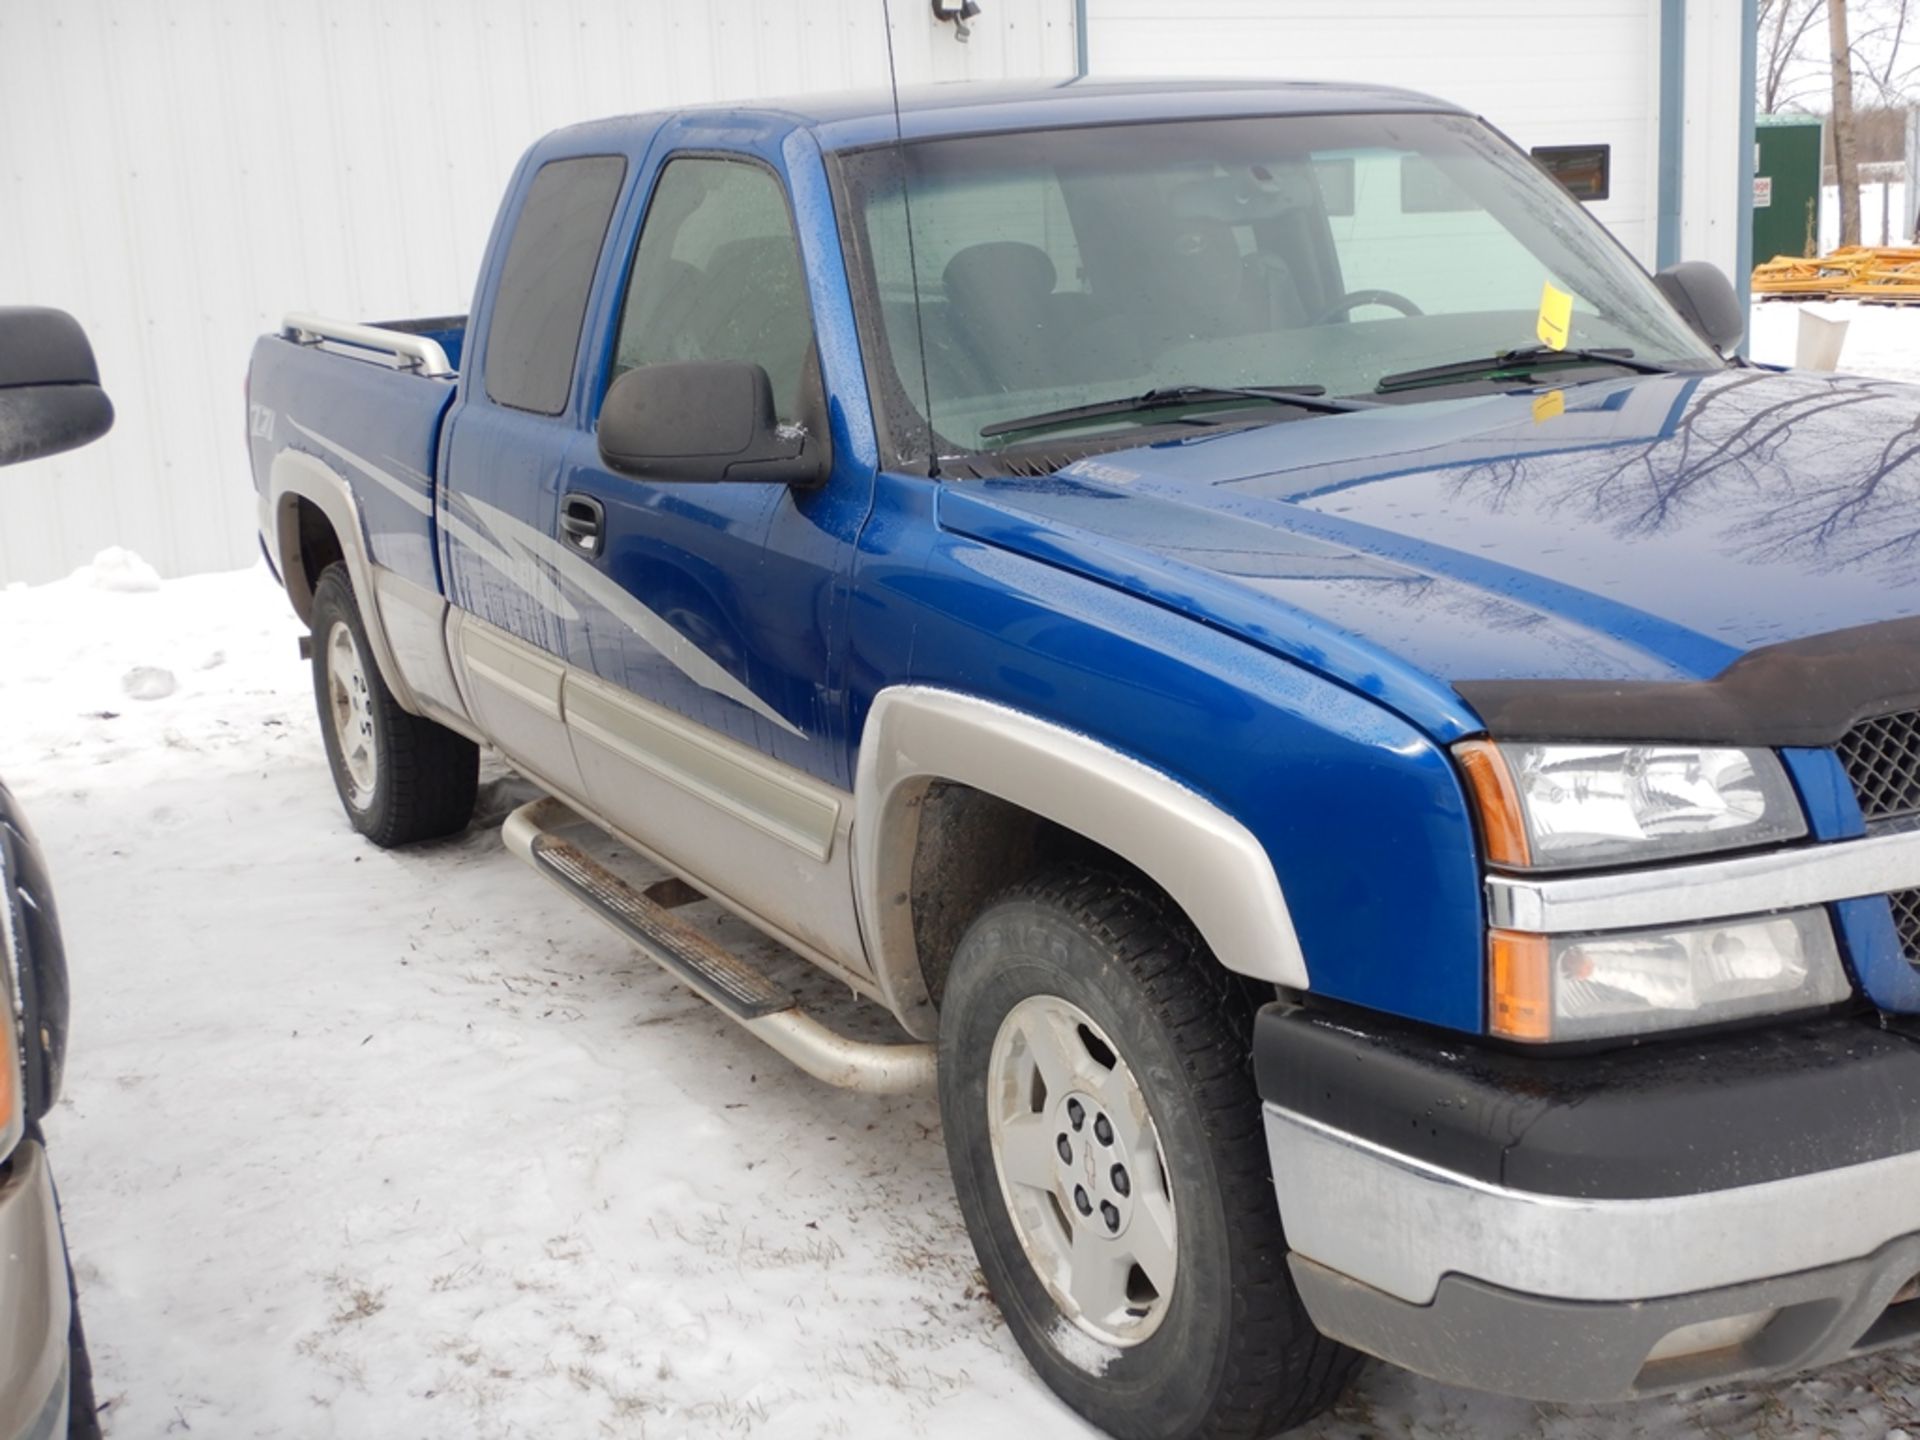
(960, 12)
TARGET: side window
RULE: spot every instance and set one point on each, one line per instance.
(542, 297)
(716, 276)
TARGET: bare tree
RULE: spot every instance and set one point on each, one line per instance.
(1881, 31)
(1846, 165)
(1784, 27)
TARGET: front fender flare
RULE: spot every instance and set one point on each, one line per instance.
(1212, 866)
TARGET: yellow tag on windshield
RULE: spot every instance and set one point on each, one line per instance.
(1546, 406)
(1556, 317)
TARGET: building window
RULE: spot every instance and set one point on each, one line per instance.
(1586, 170)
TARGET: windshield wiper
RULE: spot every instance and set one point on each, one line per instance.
(1524, 361)
(1165, 397)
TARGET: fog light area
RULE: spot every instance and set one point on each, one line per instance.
(1706, 1335)
(1650, 980)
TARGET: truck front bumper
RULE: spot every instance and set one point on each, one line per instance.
(1605, 1227)
(34, 1318)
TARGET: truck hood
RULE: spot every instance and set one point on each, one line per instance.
(1653, 529)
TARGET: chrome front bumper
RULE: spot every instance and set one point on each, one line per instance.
(1557, 1298)
(1400, 1225)
(1605, 1225)
(34, 1315)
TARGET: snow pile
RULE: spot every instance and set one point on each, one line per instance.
(117, 569)
(148, 682)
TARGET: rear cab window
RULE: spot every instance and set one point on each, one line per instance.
(541, 299)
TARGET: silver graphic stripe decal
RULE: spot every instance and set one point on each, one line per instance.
(539, 565)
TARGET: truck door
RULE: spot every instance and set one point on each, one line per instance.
(710, 682)
(502, 460)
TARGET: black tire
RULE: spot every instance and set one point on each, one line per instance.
(1234, 1354)
(424, 777)
(83, 1414)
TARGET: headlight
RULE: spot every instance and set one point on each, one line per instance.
(1557, 807)
(1576, 987)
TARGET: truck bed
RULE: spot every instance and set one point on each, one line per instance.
(449, 332)
(343, 402)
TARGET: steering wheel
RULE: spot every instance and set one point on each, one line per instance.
(1354, 299)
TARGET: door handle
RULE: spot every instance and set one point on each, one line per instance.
(583, 520)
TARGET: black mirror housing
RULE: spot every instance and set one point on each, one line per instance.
(1706, 300)
(704, 421)
(50, 395)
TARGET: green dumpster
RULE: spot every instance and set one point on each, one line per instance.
(1786, 186)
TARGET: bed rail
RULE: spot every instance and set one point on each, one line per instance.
(415, 352)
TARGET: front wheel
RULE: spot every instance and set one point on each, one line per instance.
(1110, 1163)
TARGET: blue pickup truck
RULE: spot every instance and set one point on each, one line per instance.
(1375, 763)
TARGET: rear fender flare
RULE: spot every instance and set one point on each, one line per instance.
(1212, 866)
(297, 476)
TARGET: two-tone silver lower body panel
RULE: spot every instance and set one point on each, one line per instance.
(34, 1303)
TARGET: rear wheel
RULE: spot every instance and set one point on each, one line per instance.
(1111, 1165)
(401, 777)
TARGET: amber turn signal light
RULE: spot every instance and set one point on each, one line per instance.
(1503, 830)
(1519, 988)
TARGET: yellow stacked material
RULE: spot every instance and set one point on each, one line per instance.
(1786, 275)
(1888, 273)
(1894, 277)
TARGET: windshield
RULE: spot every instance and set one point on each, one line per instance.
(1064, 268)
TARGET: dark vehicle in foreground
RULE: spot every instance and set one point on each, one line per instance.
(50, 400)
(1377, 769)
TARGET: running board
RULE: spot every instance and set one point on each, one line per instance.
(715, 974)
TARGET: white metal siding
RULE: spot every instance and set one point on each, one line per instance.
(1714, 167)
(180, 173)
(1563, 74)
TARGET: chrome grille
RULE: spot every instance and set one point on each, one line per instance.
(1906, 920)
(1882, 757)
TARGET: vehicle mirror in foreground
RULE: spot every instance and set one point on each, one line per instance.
(50, 395)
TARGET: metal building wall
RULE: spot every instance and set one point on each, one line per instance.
(1716, 146)
(1566, 74)
(180, 173)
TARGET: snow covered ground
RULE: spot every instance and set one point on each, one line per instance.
(1881, 340)
(368, 1144)
(1883, 215)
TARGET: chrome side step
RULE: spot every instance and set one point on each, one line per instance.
(690, 957)
(718, 976)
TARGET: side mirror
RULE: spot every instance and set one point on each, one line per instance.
(1706, 300)
(50, 395)
(704, 420)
